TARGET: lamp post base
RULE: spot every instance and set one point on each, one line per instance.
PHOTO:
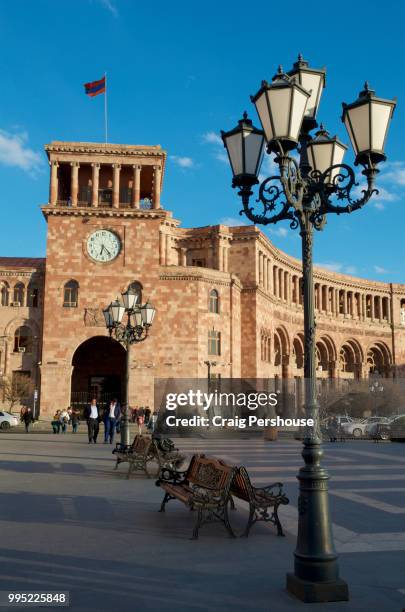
(317, 592)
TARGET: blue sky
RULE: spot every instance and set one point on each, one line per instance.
(178, 73)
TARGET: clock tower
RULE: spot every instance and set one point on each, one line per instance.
(104, 219)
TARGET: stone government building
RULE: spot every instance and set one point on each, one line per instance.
(222, 294)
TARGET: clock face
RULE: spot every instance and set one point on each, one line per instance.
(103, 245)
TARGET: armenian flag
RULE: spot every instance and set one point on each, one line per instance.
(95, 88)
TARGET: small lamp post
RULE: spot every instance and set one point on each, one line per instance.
(135, 329)
(304, 193)
(376, 389)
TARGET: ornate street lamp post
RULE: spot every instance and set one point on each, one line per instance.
(376, 389)
(303, 193)
(136, 328)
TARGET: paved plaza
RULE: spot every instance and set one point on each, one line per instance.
(69, 522)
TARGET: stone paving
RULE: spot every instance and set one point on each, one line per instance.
(68, 521)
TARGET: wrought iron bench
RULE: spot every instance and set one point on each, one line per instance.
(166, 454)
(203, 487)
(137, 455)
(260, 500)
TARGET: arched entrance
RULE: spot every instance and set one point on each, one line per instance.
(98, 371)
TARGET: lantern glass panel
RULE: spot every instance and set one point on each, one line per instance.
(253, 152)
(234, 147)
(320, 155)
(359, 127)
(299, 103)
(338, 155)
(314, 84)
(280, 102)
(380, 118)
(263, 112)
(117, 311)
(137, 316)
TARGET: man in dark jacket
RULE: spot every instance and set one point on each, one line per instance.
(28, 418)
(111, 415)
(92, 416)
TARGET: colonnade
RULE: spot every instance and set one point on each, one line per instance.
(95, 178)
(286, 286)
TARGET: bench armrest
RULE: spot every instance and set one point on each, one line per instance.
(275, 489)
(206, 495)
(173, 476)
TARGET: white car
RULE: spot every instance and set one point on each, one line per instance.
(7, 420)
(354, 428)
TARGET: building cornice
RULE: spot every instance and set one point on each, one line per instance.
(107, 213)
(105, 149)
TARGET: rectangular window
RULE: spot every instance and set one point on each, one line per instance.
(214, 342)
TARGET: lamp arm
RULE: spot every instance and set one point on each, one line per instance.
(342, 185)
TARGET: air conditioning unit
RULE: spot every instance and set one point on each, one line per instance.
(16, 304)
(21, 349)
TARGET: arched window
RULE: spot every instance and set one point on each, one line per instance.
(18, 294)
(23, 340)
(4, 293)
(32, 296)
(214, 301)
(137, 288)
(71, 294)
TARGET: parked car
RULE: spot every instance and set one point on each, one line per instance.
(394, 430)
(355, 428)
(372, 424)
(7, 420)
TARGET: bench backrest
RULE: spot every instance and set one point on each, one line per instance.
(142, 445)
(241, 486)
(210, 473)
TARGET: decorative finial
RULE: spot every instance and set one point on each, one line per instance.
(280, 69)
(366, 86)
(245, 115)
(300, 57)
(322, 127)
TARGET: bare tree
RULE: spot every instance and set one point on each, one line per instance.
(16, 390)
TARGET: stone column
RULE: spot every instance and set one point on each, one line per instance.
(372, 308)
(226, 267)
(74, 182)
(260, 269)
(116, 185)
(363, 306)
(345, 302)
(136, 187)
(157, 177)
(269, 277)
(380, 308)
(53, 191)
(281, 284)
(183, 257)
(168, 249)
(275, 277)
(95, 184)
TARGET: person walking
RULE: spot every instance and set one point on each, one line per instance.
(111, 415)
(28, 418)
(92, 414)
(140, 419)
(75, 420)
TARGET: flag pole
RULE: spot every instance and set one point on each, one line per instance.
(105, 109)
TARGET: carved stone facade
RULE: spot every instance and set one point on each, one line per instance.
(253, 328)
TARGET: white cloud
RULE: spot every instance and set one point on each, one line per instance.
(110, 6)
(232, 221)
(282, 232)
(379, 205)
(221, 156)
(212, 138)
(394, 172)
(381, 270)
(336, 267)
(15, 152)
(183, 162)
